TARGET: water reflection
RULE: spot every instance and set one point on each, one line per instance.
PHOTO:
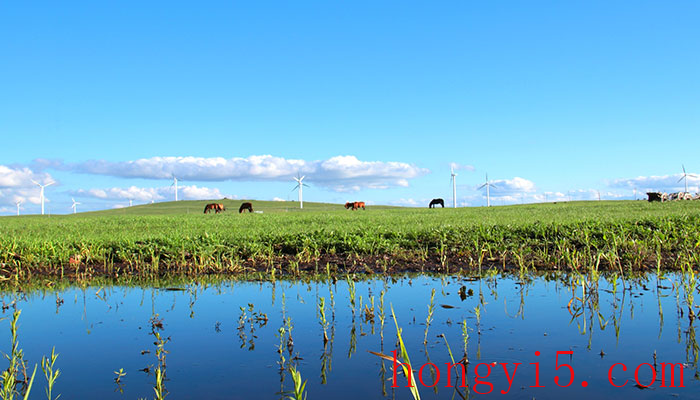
(262, 329)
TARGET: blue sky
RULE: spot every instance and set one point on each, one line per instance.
(371, 100)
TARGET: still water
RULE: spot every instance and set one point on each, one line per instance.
(231, 340)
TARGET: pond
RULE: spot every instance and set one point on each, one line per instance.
(237, 340)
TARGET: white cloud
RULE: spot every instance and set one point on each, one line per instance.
(457, 166)
(186, 192)
(21, 177)
(664, 183)
(16, 185)
(277, 199)
(511, 186)
(339, 173)
(200, 193)
(410, 202)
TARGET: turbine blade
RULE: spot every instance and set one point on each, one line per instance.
(681, 178)
(50, 183)
(683, 168)
(35, 182)
(482, 186)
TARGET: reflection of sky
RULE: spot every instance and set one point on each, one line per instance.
(96, 337)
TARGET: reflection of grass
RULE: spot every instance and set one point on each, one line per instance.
(429, 318)
(10, 382)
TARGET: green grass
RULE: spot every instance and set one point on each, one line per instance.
(178, 237)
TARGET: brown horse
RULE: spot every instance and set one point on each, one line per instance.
(355, 205)
(217, 208)
(245, 206)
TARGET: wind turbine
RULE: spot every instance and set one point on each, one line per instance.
(131, 202)
(41, 195)
(75, 203)
(685, 178)
(454, 186)
(18, 204)
(175, 184)
(487, 185)
(300, 185)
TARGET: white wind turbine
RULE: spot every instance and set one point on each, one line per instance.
(487, 185)
(300, 185)
(131, 202)
(19, 202)
(454, 186)
(41, 195)
(74, 206)
(685, 178)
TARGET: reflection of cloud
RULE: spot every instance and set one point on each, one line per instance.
(340, 173)
(147, 194)
(664, 183)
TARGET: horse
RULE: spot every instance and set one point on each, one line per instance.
(435, 202)
(214, 206)
(355, 205)
(245, 206)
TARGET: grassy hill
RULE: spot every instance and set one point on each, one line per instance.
(197, 207)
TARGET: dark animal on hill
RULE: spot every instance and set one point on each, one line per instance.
(217, 208)
(435, 202)
(657, 196)
(245, 206)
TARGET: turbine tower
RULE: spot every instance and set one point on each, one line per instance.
(175, 184)
(300, 185)
(18, 204)
(74, 206)
(685, 178)
(41, 194)
(454, 186)
(487, 185)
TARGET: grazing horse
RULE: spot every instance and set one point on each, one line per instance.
(245, 206)
(355, 205)
(214, 206)
(435, 202)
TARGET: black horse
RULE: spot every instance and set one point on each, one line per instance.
(435, 202)
(245, 206)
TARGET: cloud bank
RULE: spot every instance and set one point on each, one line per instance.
(664, 183)
(340, 173)
(192, 192)
(16, 185)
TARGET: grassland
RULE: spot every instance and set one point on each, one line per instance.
(177, 238)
